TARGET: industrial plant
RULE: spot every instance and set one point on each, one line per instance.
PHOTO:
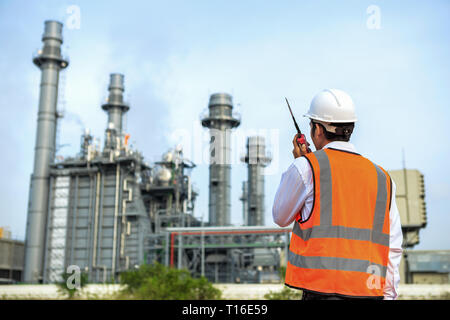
(106, 210)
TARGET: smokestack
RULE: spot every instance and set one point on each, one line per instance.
(50, 61)
(115, 105)
(257, 159)
(220, 120)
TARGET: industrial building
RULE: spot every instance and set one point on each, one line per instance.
(107, 210)
(96, 209)
(427, 267)
(11, 258)
(410, 199)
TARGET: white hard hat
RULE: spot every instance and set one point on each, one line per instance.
(332, 105)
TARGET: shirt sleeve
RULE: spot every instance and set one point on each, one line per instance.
(290, 197)
(395, 250)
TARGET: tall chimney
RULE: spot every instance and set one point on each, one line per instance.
(220, 120)
(115, 107)
(50, 61)
(257, 159)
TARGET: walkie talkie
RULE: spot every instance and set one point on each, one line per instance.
(301, 139)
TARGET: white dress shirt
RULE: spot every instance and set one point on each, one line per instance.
(295, 193)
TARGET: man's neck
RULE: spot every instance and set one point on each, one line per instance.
(325, 142)
(341, 145)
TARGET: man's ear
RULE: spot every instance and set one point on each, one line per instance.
(319, 130)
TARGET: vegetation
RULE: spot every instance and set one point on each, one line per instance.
(285, 294)
(67, 287)
(282, 273)
(158, 282)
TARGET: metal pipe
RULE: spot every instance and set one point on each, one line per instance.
(246, 229)
(90, 229)
(180, 246)
(47, 229)
(74, 218)
(116, 213)
(167, 250)
(124, 210)
(101, 216)
(97, 207)
(50, 61)
(172, 244)
(203, 251)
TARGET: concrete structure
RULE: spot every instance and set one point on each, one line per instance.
(410, 199)
(256, 159)
(426, 266)
(50, 61)
(5, 233)
(220, 120)
(11, 260)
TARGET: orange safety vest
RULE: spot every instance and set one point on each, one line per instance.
(343, 247)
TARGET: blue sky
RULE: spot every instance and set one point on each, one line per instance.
(174, 54)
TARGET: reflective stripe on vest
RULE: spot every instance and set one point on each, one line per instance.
(332, 263)
(326, 230)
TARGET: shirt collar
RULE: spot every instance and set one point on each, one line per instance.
(341, 145)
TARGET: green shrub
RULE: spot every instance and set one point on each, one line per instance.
(285, 294)
(158, 282)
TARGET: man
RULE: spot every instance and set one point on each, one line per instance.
(346, 238)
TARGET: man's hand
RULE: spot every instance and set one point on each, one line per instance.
(297, 151)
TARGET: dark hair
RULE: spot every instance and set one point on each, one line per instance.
(343, 131)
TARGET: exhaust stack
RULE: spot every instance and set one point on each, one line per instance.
(220, 120)
(115, 107)
(50, 61)
(256, 158)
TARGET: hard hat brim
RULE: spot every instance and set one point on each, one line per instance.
(315, 117)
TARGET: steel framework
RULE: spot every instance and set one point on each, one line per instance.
(222, 254)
